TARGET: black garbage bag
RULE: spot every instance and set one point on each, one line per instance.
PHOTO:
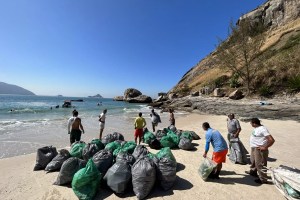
(140, 151)
(118, 136)
(44, 156)
(155, 144)
(238, 152)
(118, 177)
(58, 160)
(103, 160)
(166, 169)
(178, 132)
(68, 169)
(185, 144)
(125, 157)
(143, 176)
(172, 128)
(193, 134)
(89, 151)
(108, 139)
(160, 133)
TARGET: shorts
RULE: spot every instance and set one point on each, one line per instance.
(75, 135)
(138, 133)
(102, 125)
(220, 157)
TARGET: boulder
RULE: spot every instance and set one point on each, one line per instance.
(172, 96)
(156, 104)
(195, 94)
(236, 95)
(119, 98)
(131, 93)
(140, 99)
(218, 92)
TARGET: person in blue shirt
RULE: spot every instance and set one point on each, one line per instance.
(219, 145)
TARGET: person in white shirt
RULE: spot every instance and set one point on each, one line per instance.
(75, 127)
(102, 122)
(260, 141)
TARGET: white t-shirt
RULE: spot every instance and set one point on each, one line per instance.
(258, 136)
(102, 117)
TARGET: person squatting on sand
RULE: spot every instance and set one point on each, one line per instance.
(139, 125)
(172, 118)
(219, 145)
(74, 123)
(260, 141)
(155, 119)
(102, 117)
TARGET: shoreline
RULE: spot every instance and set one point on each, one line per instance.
(19, 181)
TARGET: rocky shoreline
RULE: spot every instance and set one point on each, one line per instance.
(277, 108)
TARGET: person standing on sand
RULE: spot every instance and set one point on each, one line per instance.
(102, 122)
(155, 119)
(233, 127)
(172, 118)
(220, 148)
(260, 141)
(75, 127)
(139, 124)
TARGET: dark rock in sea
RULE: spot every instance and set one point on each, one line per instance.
(131, 93)
(140, 99)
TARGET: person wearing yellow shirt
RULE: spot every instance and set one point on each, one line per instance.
(139, 124)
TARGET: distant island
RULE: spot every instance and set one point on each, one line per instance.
(96, 96)
(13, 89)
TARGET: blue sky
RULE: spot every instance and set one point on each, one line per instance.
(86, 47)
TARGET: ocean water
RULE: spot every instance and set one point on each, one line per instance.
(28, 122)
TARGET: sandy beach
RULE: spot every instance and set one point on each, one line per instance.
(19, 181)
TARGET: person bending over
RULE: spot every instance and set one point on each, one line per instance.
(219, 145)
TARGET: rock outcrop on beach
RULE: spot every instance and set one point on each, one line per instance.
(13, 89)
(278, 21)
(209, 87)
(132, 95)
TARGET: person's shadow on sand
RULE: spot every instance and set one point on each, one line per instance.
(243, 179)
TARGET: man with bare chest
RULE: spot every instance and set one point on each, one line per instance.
(75, 127)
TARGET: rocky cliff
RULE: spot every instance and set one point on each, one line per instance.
(281, 19)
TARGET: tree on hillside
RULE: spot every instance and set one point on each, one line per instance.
(240, 53)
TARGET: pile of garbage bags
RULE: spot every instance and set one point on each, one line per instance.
(170, 137)
(120, 165)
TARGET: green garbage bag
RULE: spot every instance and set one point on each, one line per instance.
(98, 143)
(165, 152)
(76, 150)
(174, 137)
(129, 147)
(148, 136)
(167, 141)
(117, 151)
(206, 167)
(186, 135)
(113, 146)
(86, 181)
